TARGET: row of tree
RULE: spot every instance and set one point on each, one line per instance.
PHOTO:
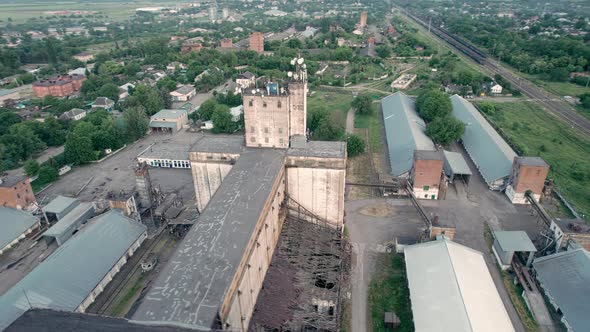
(435, 108)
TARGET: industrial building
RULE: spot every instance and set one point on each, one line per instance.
(426, 174)
(59, 207)
(69, 224)
(213, 279)
(16, 192)
(565, 279)
(405, 132)
(72, 277)
(492, 156)
(256, 42)
(451, 289)
(15, 225)
(508, 243)
(528, 173)
(169, 121)
(58, 86)
(184, 93)
(167, 155)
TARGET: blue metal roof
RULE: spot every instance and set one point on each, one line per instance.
(13, 223)
(489, 152)
(60, 205)
(66, 277)
(405, 132)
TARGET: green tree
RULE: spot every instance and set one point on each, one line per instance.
(585, 100)
(109, 68)
(355, 145)
(206, 109)
(432, 104)
(222, 120)
(136, 123)
(7, 119)
(147, 98)
(31, 167)
(383, 51)
(78, 149)
(21, 142)
(445, 130)
(47, 174)
(109, 90)
(362, 104)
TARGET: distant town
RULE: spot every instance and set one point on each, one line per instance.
(293, 165)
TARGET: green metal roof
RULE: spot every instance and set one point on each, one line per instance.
(489, 152)
(69, 274)
(169, 114)
(60, 204)
(405, 132)
(69, 219)
(514, 241)
(457, 163)
(13, 223)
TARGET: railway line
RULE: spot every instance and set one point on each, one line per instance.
(491, 67)
(121, 280)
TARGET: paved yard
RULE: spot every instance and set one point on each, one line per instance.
(374, 223)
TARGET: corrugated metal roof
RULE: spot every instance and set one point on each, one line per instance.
(60, 204)
(72, 217)
(489, 152)
(67, 276)
(13, 223)
(169, 114)
(514, 241)
(457, 163)
(566, 278)
(405, 132)
(451, 289)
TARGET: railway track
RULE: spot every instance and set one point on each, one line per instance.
(557, 108)
(109, 295)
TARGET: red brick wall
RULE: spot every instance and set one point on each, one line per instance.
(226, 42)
(19, 195)
(257, 42)
(530, 178)
(427, 173)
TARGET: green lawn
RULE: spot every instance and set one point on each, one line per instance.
(536, 133)
(388, 291)
(338, 102)
(373, 123)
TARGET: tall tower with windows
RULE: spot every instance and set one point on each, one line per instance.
(277, 111)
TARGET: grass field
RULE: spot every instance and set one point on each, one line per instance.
(539, 134)
(388, 291)
(373, 123)
(20, 12)
(338, 102)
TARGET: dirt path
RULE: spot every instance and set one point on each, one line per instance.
(350, 121)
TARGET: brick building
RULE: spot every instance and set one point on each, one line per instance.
(191, 45)
(363, 22)
(226, 43)
(426, 173)
(58, 86)
(16, 192)
(257, 42)
(528, 173)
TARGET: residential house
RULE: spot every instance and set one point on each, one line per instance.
(184, 93)
(105, 103)
(246, 79)
(124, 90)
(74, 114)
(84, 56)
(496, 89)
(173, 65)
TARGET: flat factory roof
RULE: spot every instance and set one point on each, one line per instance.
(13, 223)
(60, 204)
(320, 149)
(405, 132)
(169, 151)
(514, 241)
(72, 271)
(192, 286)
(71, 218)
(451, 289)
(565, 277)
(489, 152)
(169, 114)
(233, 144)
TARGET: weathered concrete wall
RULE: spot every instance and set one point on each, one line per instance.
(239, 304)
(266, 120)
(320, 190)
(207, 177)
(298, 108)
